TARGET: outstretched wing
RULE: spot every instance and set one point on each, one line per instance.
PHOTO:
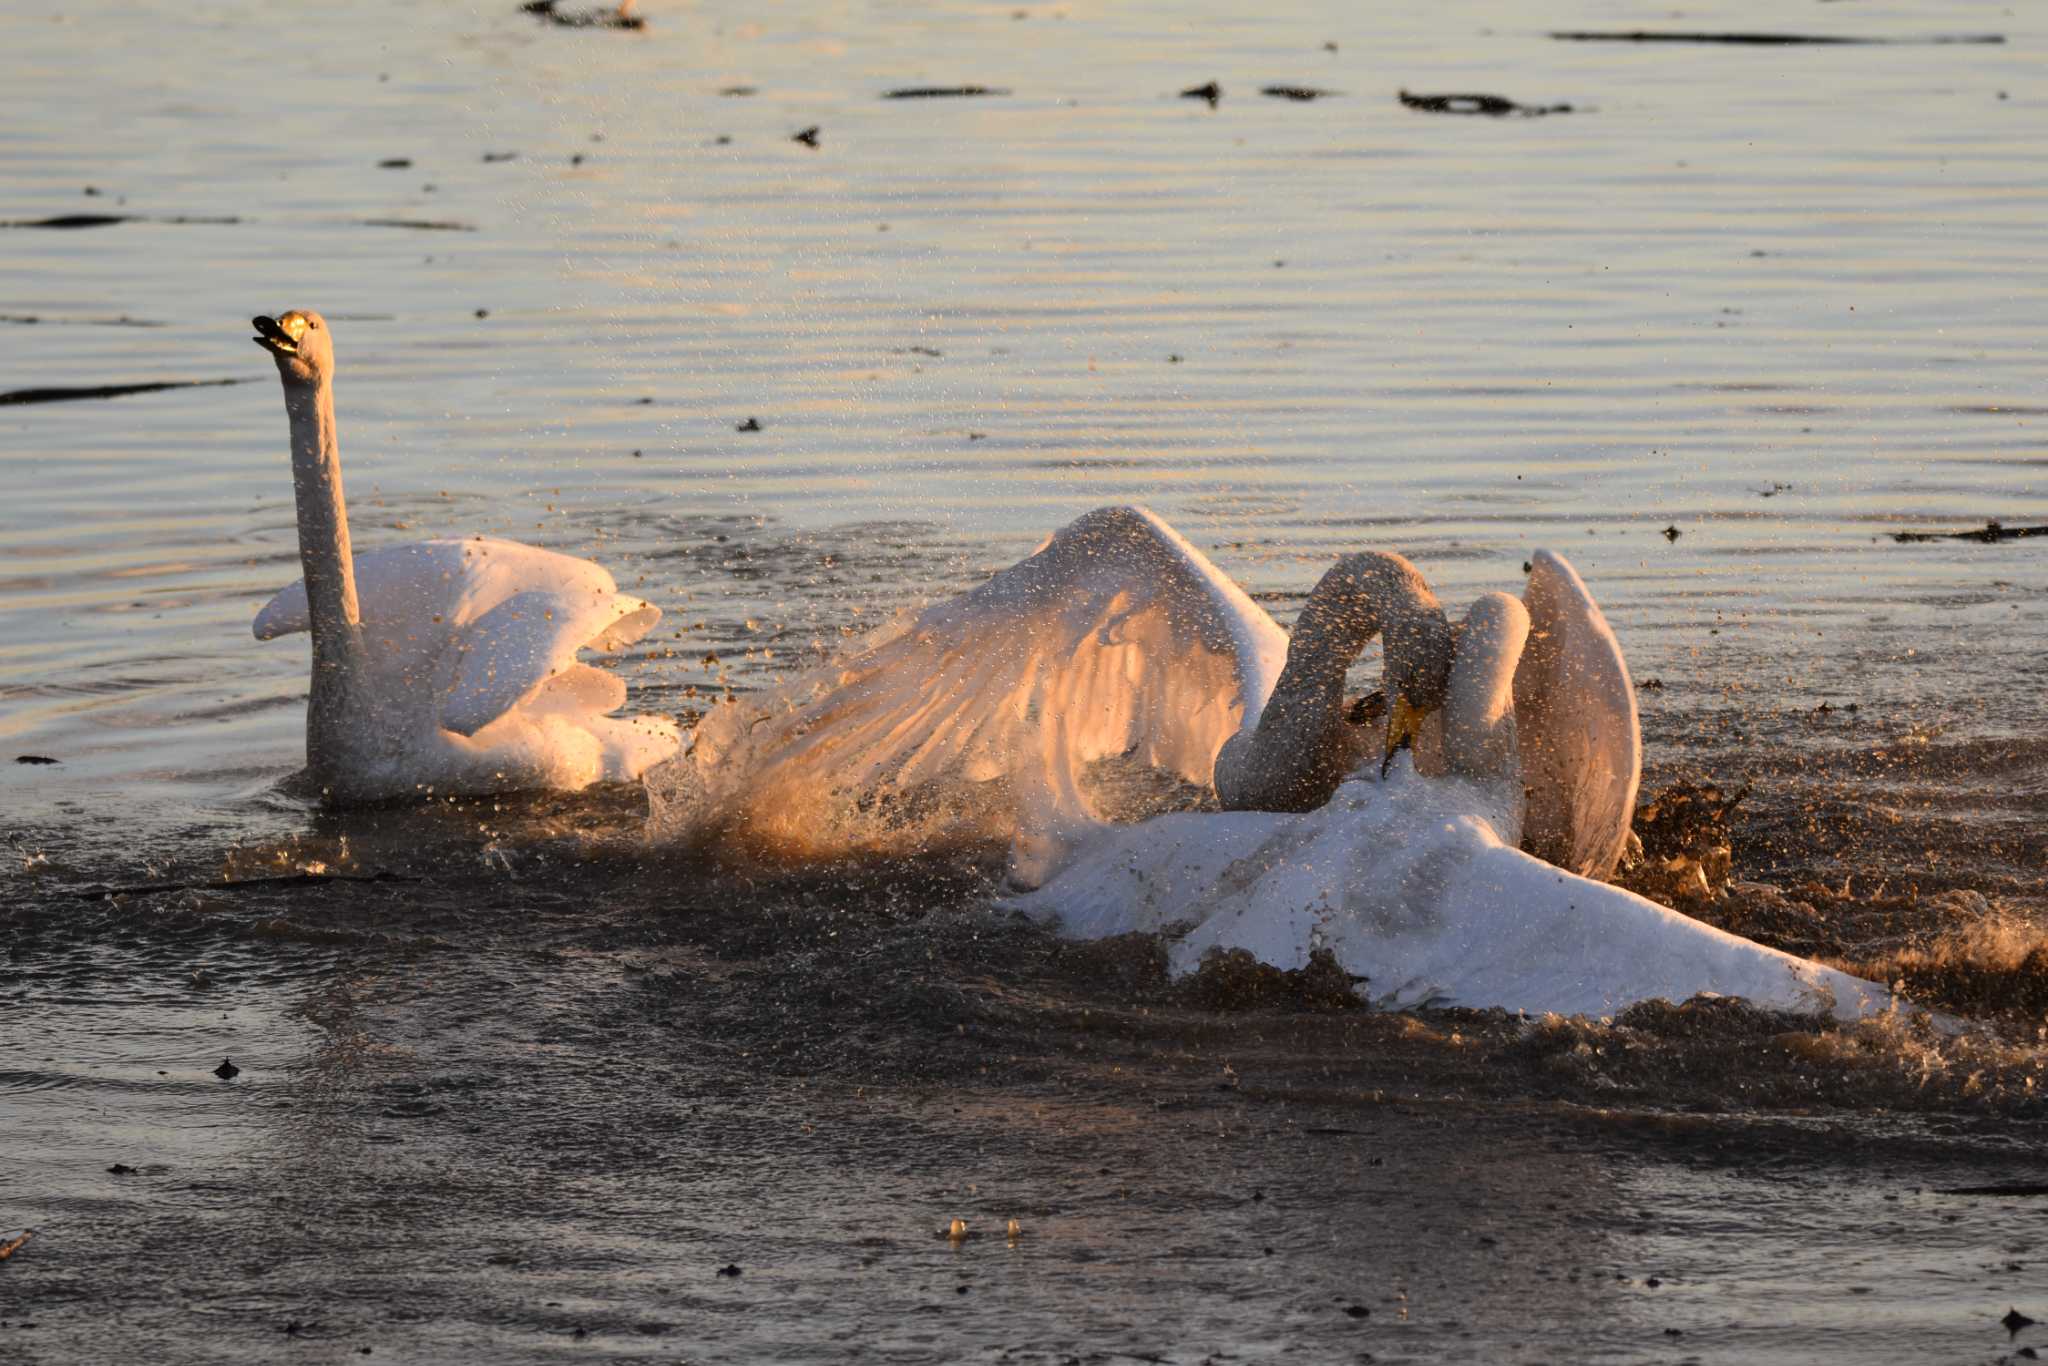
(1116, 638)
(1575, 722)
(470, 628)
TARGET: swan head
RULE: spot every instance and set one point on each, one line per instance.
(1420, 646)
(298, 340)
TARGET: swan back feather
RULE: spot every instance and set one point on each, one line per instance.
(1576, 725)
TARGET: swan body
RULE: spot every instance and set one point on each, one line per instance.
(444, 667)
(1412, 885)
(1118, 640)
(1415, 883)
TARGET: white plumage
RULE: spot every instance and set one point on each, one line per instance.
(1119, 641)
(446, 666)
(979, 719)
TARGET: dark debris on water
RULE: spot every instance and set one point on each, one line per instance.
(72, 393)
(1770, 39)
(1302, 93)
(1988, 534)
(418, 224)
(108, 220)
(1211, 92)
(942, 92)
(551, 12)
(1490, 106)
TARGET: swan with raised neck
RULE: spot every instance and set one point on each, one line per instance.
(302, 346)
(444, 666)
(1301, 747)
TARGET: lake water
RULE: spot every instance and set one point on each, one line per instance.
(1715, 334)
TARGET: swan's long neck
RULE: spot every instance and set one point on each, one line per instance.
(1479, 710)
(325, 559)
(1299, 751)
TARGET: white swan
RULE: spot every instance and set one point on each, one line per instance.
(1118, 640)
(1580, 749)
(1414, 883)
(443, 667)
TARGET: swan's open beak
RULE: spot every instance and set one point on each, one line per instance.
(279, 334)
(1404, 723)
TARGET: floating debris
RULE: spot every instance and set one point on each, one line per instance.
(740, 91)
(34, 759)
(13, 1245)
(108, 220)
(942, 92)
(1773, 39)
(1988, 534)
(421, 224)
(1296, 92)
(1491, 106)
(1211, 92)
(752, 424)
(73, 220)
(1671, 532)
(67, 394)
(394, 163)
(491, 158)
(549, 11)
(730, 1269)
(2013, 1321)
(35, 319)
(227, 1071)
(808, 137)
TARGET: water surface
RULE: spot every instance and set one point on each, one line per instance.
(1778, 301)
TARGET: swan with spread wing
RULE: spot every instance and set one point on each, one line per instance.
(444, 667)
(1120, 641)
(1412, 872)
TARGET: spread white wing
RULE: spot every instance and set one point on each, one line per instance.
(1575, 722)
(473, 628)
(1117, 638)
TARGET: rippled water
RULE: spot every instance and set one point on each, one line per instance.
(1780, 300)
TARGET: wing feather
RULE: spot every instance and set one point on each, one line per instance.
(1576, 725)
(469, 628)
(1117, 637)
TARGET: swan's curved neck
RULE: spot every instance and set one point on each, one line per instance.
(324, 553)
(1299, 751)
(1479, 709)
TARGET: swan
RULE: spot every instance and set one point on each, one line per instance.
(443, 667)
(1118, 642)
(1411, 875)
